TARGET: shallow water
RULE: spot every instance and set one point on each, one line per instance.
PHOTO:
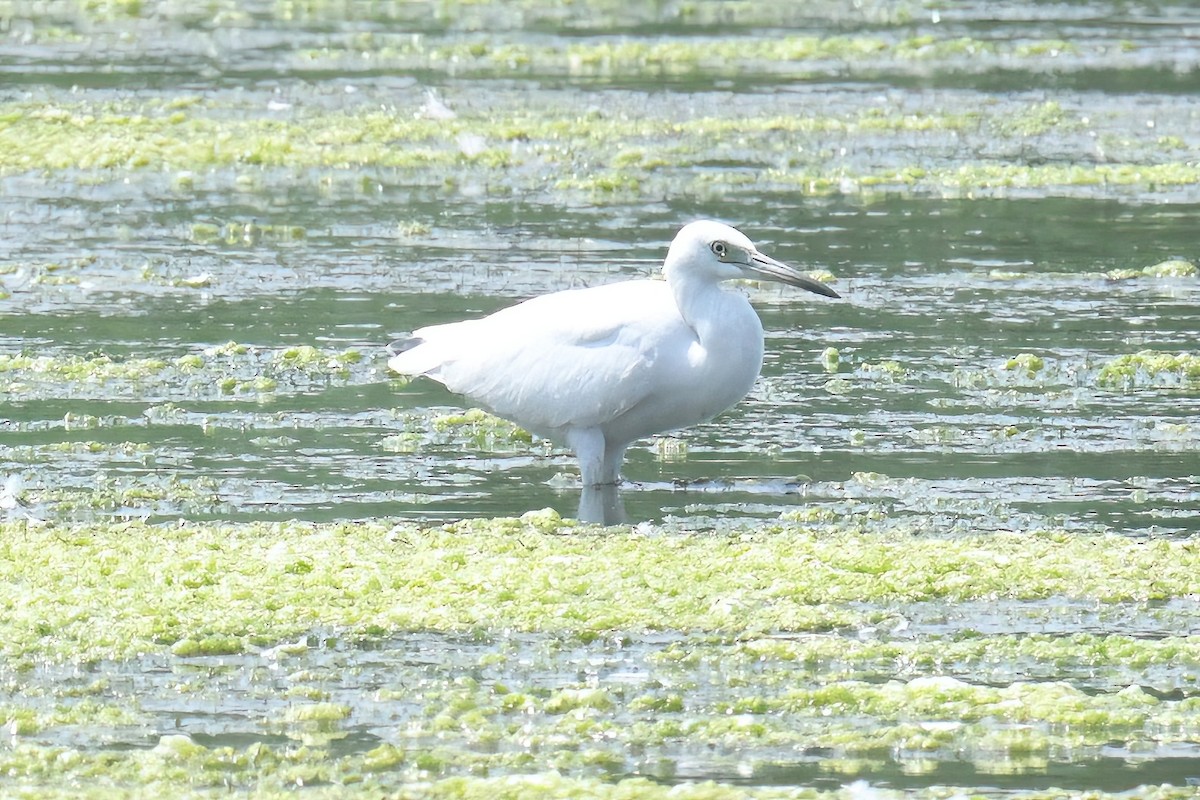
(940, 295)
(501, 691)
(990, 191)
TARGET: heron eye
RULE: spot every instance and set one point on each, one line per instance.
(720, 250)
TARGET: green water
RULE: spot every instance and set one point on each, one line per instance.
(992, 191)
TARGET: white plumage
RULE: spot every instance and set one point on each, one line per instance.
(596, 369)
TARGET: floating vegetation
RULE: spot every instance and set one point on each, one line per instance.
(78, 369)
(484, 429)
(1150, 368)
(670, 449)
(688, 57)
(245, 233)
(580, 152)
(1037, 120)
(1171, 268)
(464, 576)
(586, 649)
(231, 369)
(1028, 363)
(830, 359)
(883, 370)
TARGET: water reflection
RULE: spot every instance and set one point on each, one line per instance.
(602, 505)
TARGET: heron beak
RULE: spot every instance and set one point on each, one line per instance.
(769, 268)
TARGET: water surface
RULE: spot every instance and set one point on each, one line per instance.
(991, 190)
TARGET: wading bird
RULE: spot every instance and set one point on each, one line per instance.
(597, 369)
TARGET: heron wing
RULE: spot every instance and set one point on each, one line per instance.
(573, 358)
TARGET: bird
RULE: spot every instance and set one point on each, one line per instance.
(596, 369)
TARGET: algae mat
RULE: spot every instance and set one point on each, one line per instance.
(946, 548)
(532, 657)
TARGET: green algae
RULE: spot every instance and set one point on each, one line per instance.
(94, 368)
(883, 370)
(485, 430)
(576, 699)
(317, 713)
(55, 139)
(150, 134)
(168, 768)
(670, 450)
(1150, 368)
(588, 153)
(679, 56)
(592, 732)
(1171, 268)
(1057, 704)
(216, 645)
(1037, 120)
(966, 653)
(747, 642)
(314, 359)
(29, 720)
(1028, 363)
(1057, 377)
(250, 232)
(830, 359)
(135, 587)
(994, 177)
(473, 428)
(232, 369)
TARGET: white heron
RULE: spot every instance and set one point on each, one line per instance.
(597, 369)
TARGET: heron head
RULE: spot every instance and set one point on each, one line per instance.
(720, 253)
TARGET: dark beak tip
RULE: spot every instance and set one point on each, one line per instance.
(402, 345)
(816, 287)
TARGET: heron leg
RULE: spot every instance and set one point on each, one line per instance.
(614, 457)
(588, 444)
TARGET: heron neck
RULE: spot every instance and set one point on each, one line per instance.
(703, 305)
